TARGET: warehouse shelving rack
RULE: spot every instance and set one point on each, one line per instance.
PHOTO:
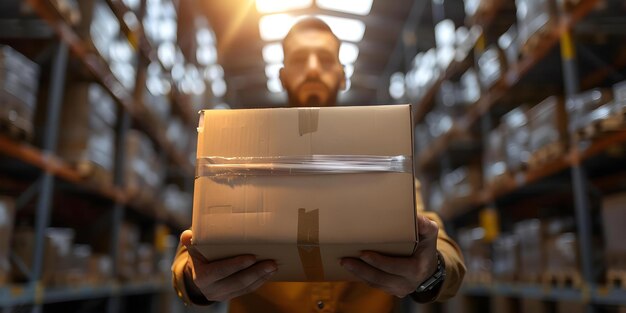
(592, 294)
(53, 170)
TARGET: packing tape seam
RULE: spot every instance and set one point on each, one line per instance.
(308, 120)
(213, 166)
(308, 244)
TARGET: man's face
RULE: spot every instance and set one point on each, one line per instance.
(312, 74)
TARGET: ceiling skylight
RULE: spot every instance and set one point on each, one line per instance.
(348, 53)
(359, 7)
(273, 53)
(273, 6)
(276, 26)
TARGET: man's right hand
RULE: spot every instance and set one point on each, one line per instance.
(224, 279)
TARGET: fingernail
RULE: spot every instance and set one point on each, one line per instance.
(366, 257)
(270, 269)
(249, 261)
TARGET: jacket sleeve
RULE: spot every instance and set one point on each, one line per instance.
(450, 253)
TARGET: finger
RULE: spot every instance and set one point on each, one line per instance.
(242, 280)
(388, 282)
(256, 285)
(209, 273)
(393, 265)
(427, 228)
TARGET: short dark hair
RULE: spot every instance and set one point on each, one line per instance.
(309, 23)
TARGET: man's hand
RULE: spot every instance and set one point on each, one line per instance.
(399, 276)
(224, 279)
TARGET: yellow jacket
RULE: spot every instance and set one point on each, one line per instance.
(329, 296)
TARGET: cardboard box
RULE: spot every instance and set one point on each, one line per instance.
(462, 182)
(581, 105)
(24, 248)
(506, 257)
(517, 136)
(494, 157)
(509, 43)
(532, 254)
(548, 124)
(7, 216)
(305, 220)
(533, 16)
(87, 136)
(491, 67)
(613, 217)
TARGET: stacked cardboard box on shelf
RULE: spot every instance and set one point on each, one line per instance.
(7, 215)
(178, 203)
(143, 171)
(86, 138)
(510, 45)
(580, 106)
(476, 252)
(613, 217)
(517, 137)
(462, 183)
(19, 81)
(561, 252)
(534, 19)
(494, 157)
(548, 131)
(101, 28)
(128, 252)
(491, 67)
(532, 259)
(506, 257)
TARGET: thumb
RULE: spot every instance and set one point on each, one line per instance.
(185, 238)
(427, 229)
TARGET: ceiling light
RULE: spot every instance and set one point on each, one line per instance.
(345, 28)
(273, 6)
(360, 7)
(349, 70)
(396, 86)
(273, 53)
(273, 70)
(205, 37)
(276, 26)
(221, 106)
(348, 53)
(348, 85)
(213, 72)
(218, 87)
(274, 85)
(206, 55)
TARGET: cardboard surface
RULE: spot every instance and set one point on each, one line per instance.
(306, 222)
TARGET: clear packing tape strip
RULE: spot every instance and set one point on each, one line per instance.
(222, 167)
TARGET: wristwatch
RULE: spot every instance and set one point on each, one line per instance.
(435, 279)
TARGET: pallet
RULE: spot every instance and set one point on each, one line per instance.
(563, 279)
(546, 154)
(616, 278)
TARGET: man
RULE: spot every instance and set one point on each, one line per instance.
(312, 76)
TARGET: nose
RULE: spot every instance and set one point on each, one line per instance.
(313, 66)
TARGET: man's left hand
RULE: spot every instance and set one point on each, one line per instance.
(399, 276)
